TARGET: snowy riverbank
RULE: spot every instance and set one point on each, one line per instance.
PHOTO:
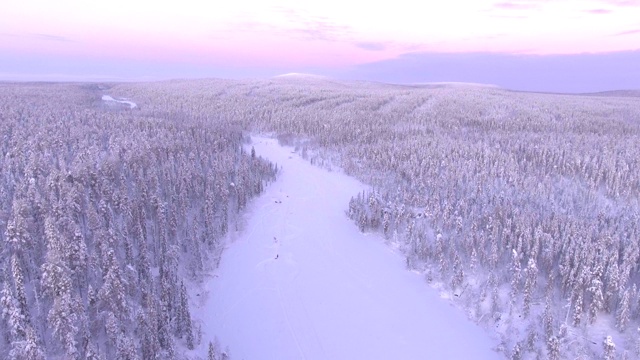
(301, 282)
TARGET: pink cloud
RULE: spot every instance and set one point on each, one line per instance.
(630, 32)
(622, 2)
(598, 11)
(519, 4)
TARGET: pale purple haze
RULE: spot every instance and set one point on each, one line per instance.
(538, 45)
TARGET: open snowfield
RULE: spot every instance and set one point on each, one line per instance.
(300, 281)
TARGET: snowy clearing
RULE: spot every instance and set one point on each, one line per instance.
(130, 103)
(301, 282)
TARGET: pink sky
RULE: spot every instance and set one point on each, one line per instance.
(329, 34)
(321, 33)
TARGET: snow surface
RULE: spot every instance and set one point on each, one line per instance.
(302, 282)
(458, 84)
(300, 75)
(130, 103)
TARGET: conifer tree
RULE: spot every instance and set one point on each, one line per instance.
(609, 348)
(553, 348)
(18, 282)
(11, 314)
(597, 299)
(622, 318)
(515, 277)
(531, 276)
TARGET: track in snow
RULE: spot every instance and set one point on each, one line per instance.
(301, 282)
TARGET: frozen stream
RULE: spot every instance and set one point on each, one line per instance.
(130, 103)
(301, 282)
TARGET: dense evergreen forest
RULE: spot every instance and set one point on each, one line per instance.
(107, 214)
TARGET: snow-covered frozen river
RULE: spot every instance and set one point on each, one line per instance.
(302, 282)
(130, 103)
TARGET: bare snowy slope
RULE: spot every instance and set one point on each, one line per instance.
(301, 282)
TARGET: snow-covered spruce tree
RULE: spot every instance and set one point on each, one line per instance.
(624, 312)
(609, 348)
(547, 319)
(531, 277)
(458, 272)
(612, 281)
(515, 278)
(577, 309)
(184, 327)
(516, 353)
(14, 329)
(597, 299)
(553, 348)
(20, 293)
